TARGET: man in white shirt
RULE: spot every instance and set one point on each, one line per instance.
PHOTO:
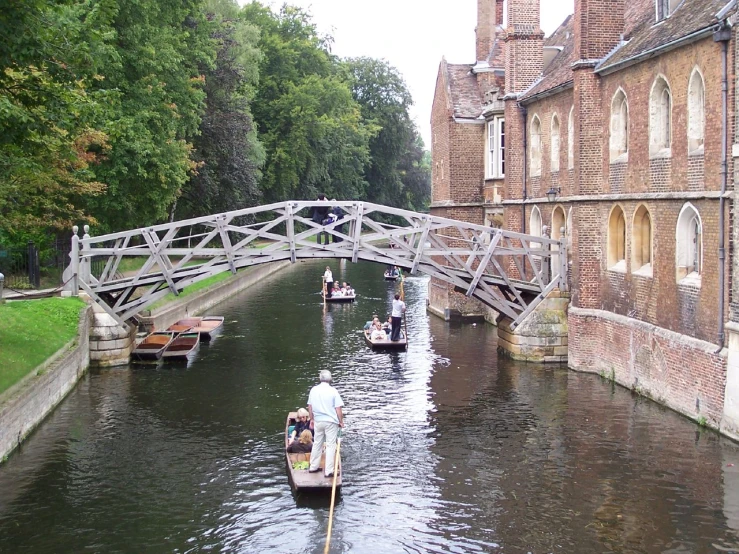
(326, 416)
(397, 317)
(328, 278)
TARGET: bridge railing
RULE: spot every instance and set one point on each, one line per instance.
(508, 271)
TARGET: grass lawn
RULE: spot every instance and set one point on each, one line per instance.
(200, 285)
(31, 331)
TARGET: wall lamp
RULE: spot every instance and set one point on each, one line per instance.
(552, 193)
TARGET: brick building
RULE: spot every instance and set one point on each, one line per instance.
(615, 132)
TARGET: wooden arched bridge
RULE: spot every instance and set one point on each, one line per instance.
(510, 272)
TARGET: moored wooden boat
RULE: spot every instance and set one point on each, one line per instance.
(341, 298)
(184, 325)
(208, 325)
(386, 344)
(300, 479)
(153, 346)
(182, 346)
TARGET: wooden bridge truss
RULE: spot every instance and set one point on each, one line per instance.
(510, 272)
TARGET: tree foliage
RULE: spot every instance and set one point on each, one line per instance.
(123, 113)
(312, 130)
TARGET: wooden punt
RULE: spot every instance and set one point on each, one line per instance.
(152, 347)
(300, 479)
(181, 347)
(390, 276)
(184, 325)
(208, 325)
(386, 344)
(341, 298)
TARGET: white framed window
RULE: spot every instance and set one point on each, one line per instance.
(660, 118)
(619, 142)
(535, 147)
(689, 251)
(696, 112)
(571, 139)
(554, 145)
(496, 148)
(664, 8)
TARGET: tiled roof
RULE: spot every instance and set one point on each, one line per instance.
(561, 35)
(559, 71)
(636, 14)
(690, 16)
(466, 97)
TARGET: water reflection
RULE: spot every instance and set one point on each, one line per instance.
(448, 448)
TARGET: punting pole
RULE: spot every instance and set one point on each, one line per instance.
(333, 492)
(323, 287)
(405, 316)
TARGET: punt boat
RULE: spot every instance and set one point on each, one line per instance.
(153, 346)
(184, 325)
(300, 479)
(341, 298)
(386, 344)
(207, 326)
(181, 347)
(391, 276)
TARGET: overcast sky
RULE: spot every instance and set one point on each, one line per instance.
(412, 35)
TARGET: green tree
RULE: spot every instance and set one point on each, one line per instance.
(396, 173)
(311, 127)
(227, 150)
(161, 47)
(48, 139)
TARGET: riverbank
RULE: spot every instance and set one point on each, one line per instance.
(46, 347)
(36, 393)
(33, 331)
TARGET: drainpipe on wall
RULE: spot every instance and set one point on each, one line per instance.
(723, 35)
(525, 165)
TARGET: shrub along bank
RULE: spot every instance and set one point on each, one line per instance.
(31, 331)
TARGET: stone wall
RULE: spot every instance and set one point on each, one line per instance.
(542, 337)
(682, 372)
(26, 404)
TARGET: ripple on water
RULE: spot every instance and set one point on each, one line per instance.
(447, 447)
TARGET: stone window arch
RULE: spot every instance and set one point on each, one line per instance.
(641, 241)
(619, 143)
(559, 230)
(689, 245)
(696, 112)
(535, 228)
(535, 148)
(554, 144)
(571, 139)
(617, 240)
(660, 118)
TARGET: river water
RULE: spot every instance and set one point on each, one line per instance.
(448, 447)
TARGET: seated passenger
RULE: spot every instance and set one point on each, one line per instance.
(349, 290)
(303, 445)
(388, 325)
(302, 423)
(378, 333)
(370, 324)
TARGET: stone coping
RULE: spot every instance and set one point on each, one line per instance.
(697, 344)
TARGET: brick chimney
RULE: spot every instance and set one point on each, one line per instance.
(524, 45)
(524, 55)
(485, 30)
